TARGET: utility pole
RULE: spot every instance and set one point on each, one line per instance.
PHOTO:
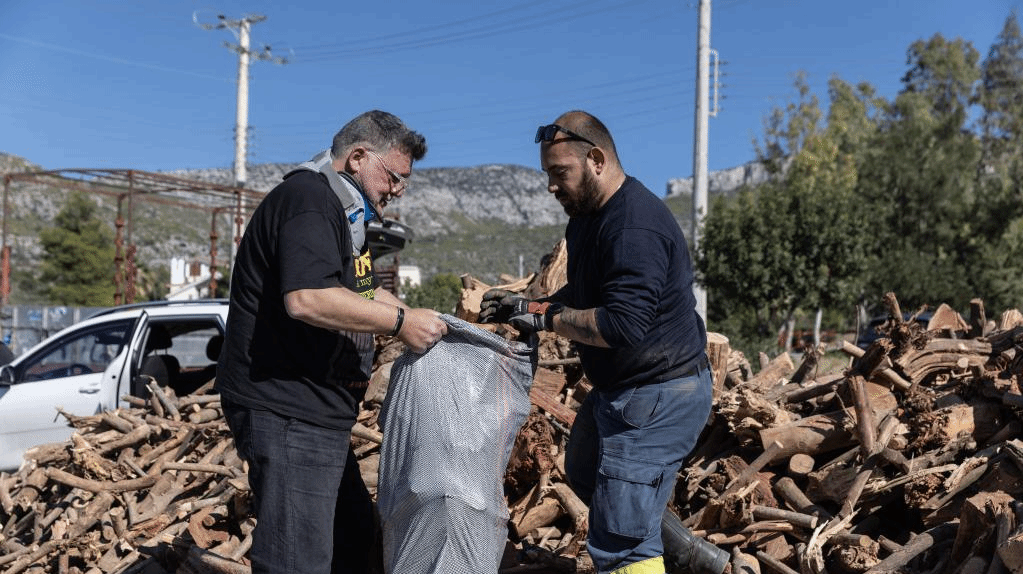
(700, 141)
(241, 28)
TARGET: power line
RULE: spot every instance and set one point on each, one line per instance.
(546, 18)
(125, 61)
(419, 31)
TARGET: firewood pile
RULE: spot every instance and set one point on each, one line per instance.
(910, 459)
(157, 487)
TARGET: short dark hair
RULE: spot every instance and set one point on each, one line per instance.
(380, 131)
(588, 126)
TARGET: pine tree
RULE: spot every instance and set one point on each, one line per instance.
(1001, 96)
(78, 256)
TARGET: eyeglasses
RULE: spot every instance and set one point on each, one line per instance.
(398, 181)
(547, 133)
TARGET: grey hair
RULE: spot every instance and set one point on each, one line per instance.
(380, 131)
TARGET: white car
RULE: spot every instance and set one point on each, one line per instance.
(87, 367)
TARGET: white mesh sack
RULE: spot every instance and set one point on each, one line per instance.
(449, 423)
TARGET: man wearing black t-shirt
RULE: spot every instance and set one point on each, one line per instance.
(299, 343)
(629, 307)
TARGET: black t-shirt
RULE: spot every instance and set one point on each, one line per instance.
(630, 261)
(298, 238)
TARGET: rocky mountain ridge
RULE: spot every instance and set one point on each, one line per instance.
(727, 180)
(439, 200)
(485, 220)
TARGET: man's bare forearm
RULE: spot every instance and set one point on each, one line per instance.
(579, 325)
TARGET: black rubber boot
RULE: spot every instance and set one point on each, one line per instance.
(687, 554)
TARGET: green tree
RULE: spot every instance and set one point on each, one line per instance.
(829, 227)
(152, 283)
(999, 216)
(440, 293)
(790, 244)
(855, 116)
(1001, 97)
(795, 242)
(787, 130)
(944, 73)
(78, 256)
(918, 180)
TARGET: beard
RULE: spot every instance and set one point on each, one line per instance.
(588, 200)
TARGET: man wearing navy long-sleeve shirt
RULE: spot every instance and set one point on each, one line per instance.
(629, 307)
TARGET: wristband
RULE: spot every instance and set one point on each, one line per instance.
(398, 322)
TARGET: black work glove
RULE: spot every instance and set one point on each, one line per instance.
(503, 306)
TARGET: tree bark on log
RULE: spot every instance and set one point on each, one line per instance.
(817, 434)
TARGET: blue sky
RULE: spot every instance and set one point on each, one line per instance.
(105, 84)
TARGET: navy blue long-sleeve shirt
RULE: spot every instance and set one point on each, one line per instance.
(630, 261)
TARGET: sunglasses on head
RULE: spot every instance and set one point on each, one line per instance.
(547, 133)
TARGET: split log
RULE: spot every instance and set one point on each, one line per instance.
(468, 307)
(918, 545)
(572, 504)
(552, 406)
(1011, 552)
(549, 382)
(718, 351)
(978, 418)
(553, 273)
(1009, 320)
(882, 373)
(541, 514)
(812, 389)
(800, 464)
(943, 356)
(772, 374)
(744, 482)
(946, 319)
(821, 433)
(979, 518)
(832, 482)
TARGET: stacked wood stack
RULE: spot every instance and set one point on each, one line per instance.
(908, 460)
(153, 488)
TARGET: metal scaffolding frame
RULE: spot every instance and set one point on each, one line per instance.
(131, 184)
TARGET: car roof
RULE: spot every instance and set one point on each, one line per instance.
(175, 307)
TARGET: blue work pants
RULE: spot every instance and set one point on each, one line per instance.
(313, 512)
(623, 455)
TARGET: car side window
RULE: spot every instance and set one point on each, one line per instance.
(190, 348)
(177, 352)
(88, 351)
